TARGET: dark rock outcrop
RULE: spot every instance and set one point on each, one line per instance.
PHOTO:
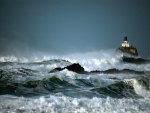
(74, 67)
(79, 69)
(134, 60)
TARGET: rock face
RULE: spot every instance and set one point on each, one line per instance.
(129, 50)
(74, 67)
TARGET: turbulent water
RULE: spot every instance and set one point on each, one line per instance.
(26, 86)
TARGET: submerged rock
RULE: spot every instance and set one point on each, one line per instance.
(116, 71)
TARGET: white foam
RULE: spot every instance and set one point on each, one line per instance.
(141, 89)
(64, 104)
(94, 60)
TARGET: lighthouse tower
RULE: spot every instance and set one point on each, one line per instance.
(125, 43)
(127, 48)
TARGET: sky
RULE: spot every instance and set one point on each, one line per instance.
(67, 26)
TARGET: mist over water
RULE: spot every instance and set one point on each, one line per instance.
(28, 87)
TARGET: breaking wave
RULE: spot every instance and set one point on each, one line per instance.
(90, 86)
(108, 85)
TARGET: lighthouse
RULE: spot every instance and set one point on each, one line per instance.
(126, 48)
(125, 43)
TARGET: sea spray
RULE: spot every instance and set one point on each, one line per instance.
(27, 86)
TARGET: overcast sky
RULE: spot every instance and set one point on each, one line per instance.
(65, 26)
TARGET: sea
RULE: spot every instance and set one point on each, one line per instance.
(27, 86)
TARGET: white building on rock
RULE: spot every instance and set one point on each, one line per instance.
(125, 43)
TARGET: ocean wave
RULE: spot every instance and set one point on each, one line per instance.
(141, 87)
(97, 60)
(94, 82)
(77, 86)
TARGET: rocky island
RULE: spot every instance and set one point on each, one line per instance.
(130, 53)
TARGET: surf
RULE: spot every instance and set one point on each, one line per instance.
(68, 82)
